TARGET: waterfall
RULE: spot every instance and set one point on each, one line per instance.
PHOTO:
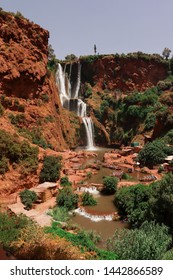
(89, 131)
(71, 101)
(61, 82)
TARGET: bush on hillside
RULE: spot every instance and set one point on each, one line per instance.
(28, 198)
(64, 182)
(50, 171)
(153, 153)
(67, 198)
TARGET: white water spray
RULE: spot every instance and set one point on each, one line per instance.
(94, 218)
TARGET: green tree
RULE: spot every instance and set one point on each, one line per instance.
(88, 199)
(161, 202)
(50, 171)
(28, 198)
(110, 184)
(133, 203)
(52, 60)
(67, 198)
(166, 53)
(64, 182)
(3, 165)
(10, 227)
(70, 57)
(149, 242)
(153, 153)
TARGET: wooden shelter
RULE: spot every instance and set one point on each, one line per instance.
(45, 191)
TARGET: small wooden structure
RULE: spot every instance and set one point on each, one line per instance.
(6, 200)
(45, 191)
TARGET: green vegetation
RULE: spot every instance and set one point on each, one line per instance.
(149, 242)
(64, 182)
(1, 110)
(3, 165)
(52, 60)
(88, 199)
(59, 214)
(110, 184)
(17, 152)
(90, 58)
(50, 171)
(152, 202)
(83, 240)
(70, 57)
(133, 203)
(35, 136)
(67, 198)
(154, 153)
(28, 198)
(10, 228)
(161, 202)
(17, 120)
(45, 97)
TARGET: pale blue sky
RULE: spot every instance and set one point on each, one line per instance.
(115, 26)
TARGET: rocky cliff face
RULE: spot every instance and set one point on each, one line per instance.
(125, 73)
(24, 80)
(110, 79)
(30, 107)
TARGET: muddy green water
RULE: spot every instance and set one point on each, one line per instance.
(105, 206)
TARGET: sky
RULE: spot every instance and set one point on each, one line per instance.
(114, 26)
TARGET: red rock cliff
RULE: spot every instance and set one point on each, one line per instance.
(24, 77)
(129, 73)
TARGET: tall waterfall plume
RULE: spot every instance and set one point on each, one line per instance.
(71, 101)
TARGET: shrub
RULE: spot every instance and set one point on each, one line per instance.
(67, 198)
(153, 153)
(133, 203)
(10, 228)
(161, 202)
(3, 165)
(64, 182)
(110, 184)
(51, 169)
(48, 118)
(45, 97)
(150, 242)
(59, 214)
(28, 198)
(150, 121)
(1, 110)
(84, 241)
(17, 152)
(87, 199)
(37, 138)
(18, 119)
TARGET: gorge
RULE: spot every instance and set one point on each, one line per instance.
(62, 114)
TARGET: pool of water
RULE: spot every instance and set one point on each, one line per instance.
(105, 205)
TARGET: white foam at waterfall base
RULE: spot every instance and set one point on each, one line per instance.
(92, 190)
(94, 218)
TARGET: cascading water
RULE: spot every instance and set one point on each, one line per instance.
(71, 101)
